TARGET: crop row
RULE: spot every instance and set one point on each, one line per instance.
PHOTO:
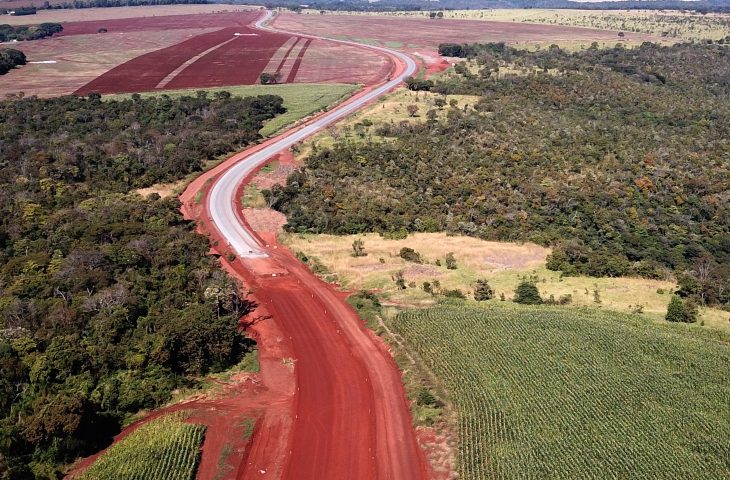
(164, 449)
(569, 393)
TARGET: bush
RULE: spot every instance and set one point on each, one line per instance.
(410, 255)
(426, 398)
(679, 310)
(358, 248)
(483, 291)
(450, 261)
(527, 294)
(455, 293)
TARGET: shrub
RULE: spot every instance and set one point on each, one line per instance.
(358, 248)
(527, 294)
(483, 291)
(450, 261)
(410, 255)
(455, 293)
(681, 311)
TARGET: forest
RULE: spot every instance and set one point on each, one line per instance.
(28, 32)
(9, 59)
(618, 158)
(108, 300)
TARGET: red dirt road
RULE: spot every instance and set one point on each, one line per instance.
(349, 417)
(344, 416)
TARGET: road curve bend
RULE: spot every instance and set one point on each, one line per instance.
(349, 416)
(222, 198)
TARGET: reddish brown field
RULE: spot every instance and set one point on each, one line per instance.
(328, 62)
(81, 58)
(224, 59)
(415, 33)
(86, 14)
(169, 22)
(182, 51)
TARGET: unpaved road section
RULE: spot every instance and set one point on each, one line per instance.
(348, 416)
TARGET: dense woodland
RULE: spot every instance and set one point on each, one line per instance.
(9, 59)
(618, 158)
(108, 301)
(28, 32)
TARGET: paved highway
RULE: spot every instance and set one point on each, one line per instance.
(222, 201)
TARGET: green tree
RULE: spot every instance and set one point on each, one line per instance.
(526, 293)
(483, 291)
(680, 310)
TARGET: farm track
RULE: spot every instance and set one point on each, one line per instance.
(348, 417)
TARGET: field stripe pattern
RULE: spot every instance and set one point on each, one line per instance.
(572, 393)
(163, 449)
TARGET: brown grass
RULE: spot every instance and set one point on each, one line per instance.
(502, 264)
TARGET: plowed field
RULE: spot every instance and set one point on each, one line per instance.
(412, 33)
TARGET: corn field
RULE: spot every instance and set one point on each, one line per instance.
(577, 393)
(164, 449)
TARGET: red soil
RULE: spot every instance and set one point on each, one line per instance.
(298, 61)
(239, 62)
(326, 61)
(169, 22)
(348, 417)
(416, 33)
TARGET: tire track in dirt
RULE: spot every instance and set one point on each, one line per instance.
(298, 62)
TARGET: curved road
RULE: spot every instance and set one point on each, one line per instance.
(222, 199)
(349, 417)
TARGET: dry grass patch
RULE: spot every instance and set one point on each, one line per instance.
(502, 264)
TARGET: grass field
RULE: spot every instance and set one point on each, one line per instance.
(502, 264)
(300, 100)
(164, 449)
(552, 392)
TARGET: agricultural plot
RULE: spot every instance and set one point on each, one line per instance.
(164, 449)
(422, 33)
(560, 393)
(149, 53)
(230, 56)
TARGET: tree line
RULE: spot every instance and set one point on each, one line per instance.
(28, 32)
(588, 152)
(108, 300)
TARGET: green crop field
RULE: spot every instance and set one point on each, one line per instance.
(164, 449)
(577, 393)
